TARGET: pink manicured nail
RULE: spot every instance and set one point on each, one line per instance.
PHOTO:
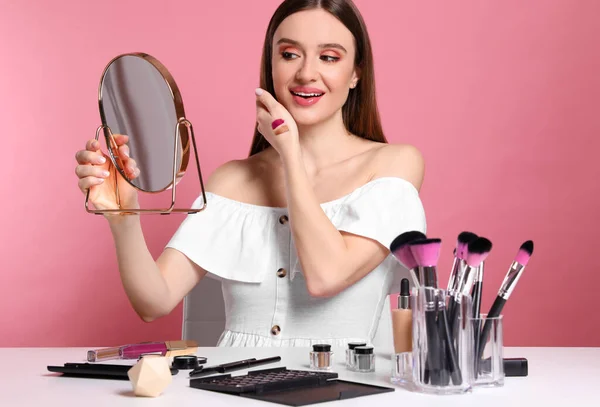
(276, 123)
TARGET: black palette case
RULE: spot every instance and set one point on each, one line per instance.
(288, 387)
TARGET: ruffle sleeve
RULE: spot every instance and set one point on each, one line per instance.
(226, 240)
(380, 210)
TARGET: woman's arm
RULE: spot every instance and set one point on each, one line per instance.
(155, 288)
(332, 260)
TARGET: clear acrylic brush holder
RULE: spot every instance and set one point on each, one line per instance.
(443, 351)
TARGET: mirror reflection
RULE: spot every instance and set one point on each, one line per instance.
(136, 100)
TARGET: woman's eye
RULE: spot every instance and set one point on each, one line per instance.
(287, 55)
(329, 58)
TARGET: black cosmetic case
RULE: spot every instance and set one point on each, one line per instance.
(288, 387)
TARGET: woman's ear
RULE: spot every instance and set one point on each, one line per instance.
(355, 78)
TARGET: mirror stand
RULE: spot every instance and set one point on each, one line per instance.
(162, 211)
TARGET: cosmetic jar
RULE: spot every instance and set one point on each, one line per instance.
(364, 359)
(184, 362)
(321, 357)
(350, 353)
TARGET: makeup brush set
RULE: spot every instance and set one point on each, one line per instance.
(454, 346)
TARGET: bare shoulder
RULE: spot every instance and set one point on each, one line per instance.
(236, 179)
(226, 178)
(401, 160)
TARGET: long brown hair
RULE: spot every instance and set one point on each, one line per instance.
(360, 113)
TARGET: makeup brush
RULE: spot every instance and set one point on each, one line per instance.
(426, 253)
(476, 294)
(462, 244)
(457, 266)
(477, 290)
(401, 251)
(464, 273)
(508, 285)
(433, 361)
(459, 254)
(477, 252)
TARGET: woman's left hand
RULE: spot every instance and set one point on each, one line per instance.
(275, 123)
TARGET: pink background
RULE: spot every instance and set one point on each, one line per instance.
(501, 98)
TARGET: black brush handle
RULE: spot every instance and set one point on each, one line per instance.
(476, 295)
(444, 363)
(495, 311)
(450, 311)
(433, 347)
(453, 318)
(445, 369)
(451, 356)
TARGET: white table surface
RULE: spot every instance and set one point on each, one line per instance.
(562, 377)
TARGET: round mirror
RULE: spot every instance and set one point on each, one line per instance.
(139, 98)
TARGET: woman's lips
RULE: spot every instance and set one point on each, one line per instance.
(306, 100)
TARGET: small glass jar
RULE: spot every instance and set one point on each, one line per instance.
(350, 353)
(321, 357)
(364, 359)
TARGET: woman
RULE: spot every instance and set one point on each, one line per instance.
(298, 232)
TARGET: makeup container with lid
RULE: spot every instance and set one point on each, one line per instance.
(350, 353)
(364, 359)
(321, 357)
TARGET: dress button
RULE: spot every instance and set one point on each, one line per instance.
(275, 330)
(283, 219)
(281, 273)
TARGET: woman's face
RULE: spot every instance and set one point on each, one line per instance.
(313, 65)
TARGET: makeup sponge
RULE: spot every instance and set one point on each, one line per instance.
(150, 376)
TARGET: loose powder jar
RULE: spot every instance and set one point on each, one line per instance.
(350, 353)
(364, 359)
(321, 357)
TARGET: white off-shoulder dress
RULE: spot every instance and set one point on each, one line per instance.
(251, 250)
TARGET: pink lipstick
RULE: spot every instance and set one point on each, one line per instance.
(134, 351)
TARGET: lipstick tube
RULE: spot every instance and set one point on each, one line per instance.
(135, 351)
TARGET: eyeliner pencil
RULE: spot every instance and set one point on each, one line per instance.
(230, 367)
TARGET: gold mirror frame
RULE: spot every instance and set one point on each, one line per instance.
(180, 136)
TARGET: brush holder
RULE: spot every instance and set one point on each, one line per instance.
(443, 351)
(488, 366)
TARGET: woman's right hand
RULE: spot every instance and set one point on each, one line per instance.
(97, 174)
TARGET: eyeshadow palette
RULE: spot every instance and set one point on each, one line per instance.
(262, 380)
(289, 387)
